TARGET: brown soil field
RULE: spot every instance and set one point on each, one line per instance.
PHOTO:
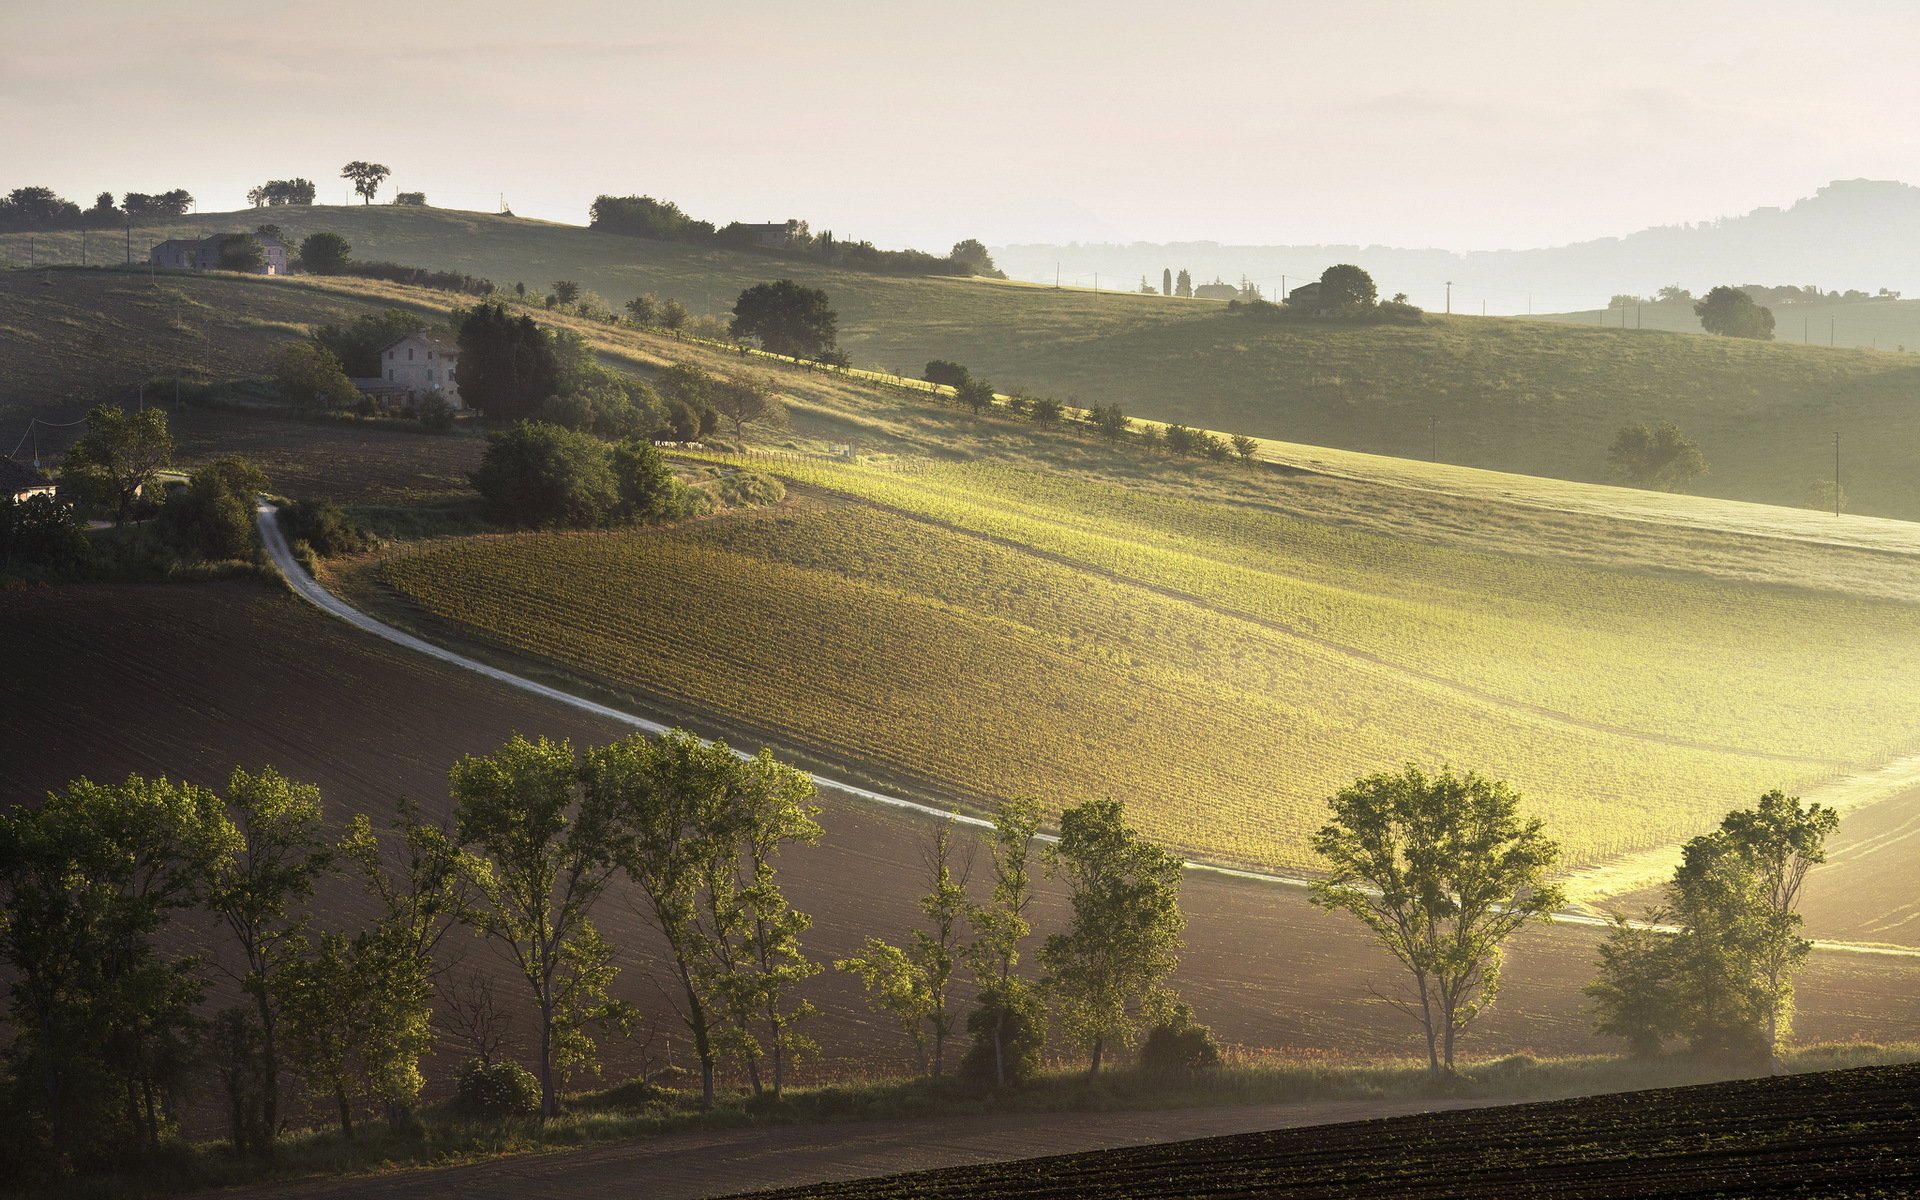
(1843, 1133)
(191, 680)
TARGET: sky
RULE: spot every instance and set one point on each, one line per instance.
(1457, 125)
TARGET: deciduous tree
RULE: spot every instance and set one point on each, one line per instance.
(1442, 869)
(1730, 312)
(366, 177)
(1107, 972)
(786, 318)
(325, 253)
(119, 456)
(1347, 289)
(911, 982)
(541, 850)
(1658, 457)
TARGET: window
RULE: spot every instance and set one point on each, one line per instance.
(389, 371)
(409, 353)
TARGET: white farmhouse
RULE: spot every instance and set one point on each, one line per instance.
(416, 367)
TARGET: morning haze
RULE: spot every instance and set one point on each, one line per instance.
(1024, 599)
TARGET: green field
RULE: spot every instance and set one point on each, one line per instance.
(983, 630)
(1506, 394)
(1885, 325)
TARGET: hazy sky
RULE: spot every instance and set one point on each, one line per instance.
(1463, 125)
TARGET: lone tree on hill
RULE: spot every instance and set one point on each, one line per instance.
(1730, 312)
(1442, 869)
(1658, 457)
(972, 254)
(786, 318)
(1346, 289)
(325, 253)
(744, 401)
(366, 176)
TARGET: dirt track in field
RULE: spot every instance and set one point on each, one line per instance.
(683, 1166)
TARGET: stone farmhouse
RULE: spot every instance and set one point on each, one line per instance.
(415, 367)
(188, 254)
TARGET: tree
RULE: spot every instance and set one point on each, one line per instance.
(366, 178)
(1673, 293)
(1109, 421)
(1735, 897)
(310, 375)
(565, 291)
(357, 1018)
(1245, 447)
(119, 456)
(755, 959)
(644, 309)
(542, 848)
(1730, 312)
(507, 363)
(325, 253)
(1347, 290)
(1166, 281)
(1635, 994)
(358, 344)
(945, 373)
(976, 394)
(1004, 1009)
(1659, 457)
(972, 255)
(104, 1024)
(786, 318)
(647, 487)
(41, 531)
(744, 401)
(1184, 286)
(259, 894)
(1107, 973)
(910, 983)
(1442, 870)
(242, 252)
(536, 476)
(213, 518)
(410, 199)
(673, 314)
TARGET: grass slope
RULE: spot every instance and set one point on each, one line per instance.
(1512, 395)
(1836, 1134)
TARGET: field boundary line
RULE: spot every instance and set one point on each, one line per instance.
(274, 539)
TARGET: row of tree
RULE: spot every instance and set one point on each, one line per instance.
(34, 208)
(663, 220)
(108, 1012)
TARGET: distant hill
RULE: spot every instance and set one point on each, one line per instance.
(1853, 233)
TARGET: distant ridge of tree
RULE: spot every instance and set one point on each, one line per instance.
(664, 221)
(1851, 234)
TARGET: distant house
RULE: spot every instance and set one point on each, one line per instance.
(415, 367)
(1217, 290)
(1306, 297)
(188, 254)
(777, 235)
(21, 481)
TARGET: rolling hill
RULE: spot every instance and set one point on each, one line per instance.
(1513, 395)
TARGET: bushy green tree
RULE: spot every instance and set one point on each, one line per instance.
(1347, 290)
(103, 1016)
(541, 849)
(1659, 457)
(1442, 870)
(787, 318)
(41, 531)
(1106, 974)
(213, 517)
(310, 375)
(744, 401)
(358, 343)
(259, 895)
(647, 488)
(565, 291)
(507, 364)
(366, 177)
(356, 1018)
(1109, 421)
(1730, 312)
(241, 252)
(1007, 1009)
(542, 476)
(325, 253)
(1635, 994)
(644, 309)
(118, 457)
(976, 394)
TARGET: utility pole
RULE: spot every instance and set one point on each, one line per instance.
(1836, 473)
(1433, 438)
(1056, 277)
(1483, 308)
(1449, 297)
(1830, 333)
(1529, 303)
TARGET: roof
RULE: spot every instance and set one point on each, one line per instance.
(17, 477)
(433, 340)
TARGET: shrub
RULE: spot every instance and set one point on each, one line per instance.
(744, 489)
(1013, 1011)
(492, 1091)
(543, 476)
(324, 528)
(940, 371)
(1179, 1049)
(212, 518)
(436, 413)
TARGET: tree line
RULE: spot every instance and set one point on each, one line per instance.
(37, 208)
(663, 221)
(109, 1015)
